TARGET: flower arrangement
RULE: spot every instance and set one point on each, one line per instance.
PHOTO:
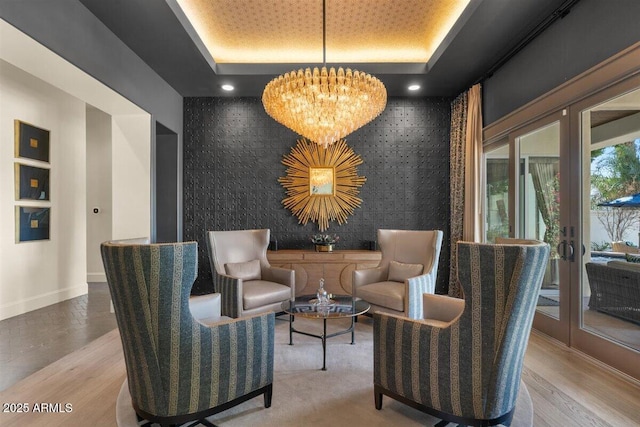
(325, 239)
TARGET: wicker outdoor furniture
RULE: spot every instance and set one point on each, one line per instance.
(615, 289)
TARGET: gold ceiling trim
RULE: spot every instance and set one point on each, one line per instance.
(290, 31)
(334, 196)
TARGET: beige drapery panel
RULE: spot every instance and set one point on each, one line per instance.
(465, 175)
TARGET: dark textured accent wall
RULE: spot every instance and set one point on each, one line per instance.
(232, 162)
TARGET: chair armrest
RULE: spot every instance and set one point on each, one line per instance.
(392, 366)
(230, 289)
(415, 287)
(249, 341)
(368, 275)
(442, 308)
(205, 309)
(283, 276)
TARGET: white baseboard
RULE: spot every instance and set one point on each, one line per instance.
(33, 303)
(96, 277)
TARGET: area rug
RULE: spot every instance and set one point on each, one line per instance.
(340, 396)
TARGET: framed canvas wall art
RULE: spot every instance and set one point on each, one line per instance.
(32, 183)
(32, 223)
(31, 142)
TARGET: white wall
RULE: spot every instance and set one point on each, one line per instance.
(35, 274)
(40, 87)
(131, 171)
(118, 182)
(99, 194)
(598, 234)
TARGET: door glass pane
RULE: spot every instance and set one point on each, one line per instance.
(496, 194)
(539, 203)
(610, 289)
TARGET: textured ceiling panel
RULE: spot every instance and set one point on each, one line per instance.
(290, 31)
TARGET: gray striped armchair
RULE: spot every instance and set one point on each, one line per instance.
(464, 365)
(179, 369)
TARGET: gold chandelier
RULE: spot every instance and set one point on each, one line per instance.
(324, 106)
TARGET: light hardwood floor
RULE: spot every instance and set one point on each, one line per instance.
(89, 380)
(567, 388)
(570, 389)
(34, 340)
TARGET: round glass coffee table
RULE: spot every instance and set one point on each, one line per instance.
(340, 307)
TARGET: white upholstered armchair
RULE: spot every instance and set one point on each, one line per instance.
(242, 275)
(407, 270)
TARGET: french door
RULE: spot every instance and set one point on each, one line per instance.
(524, 199)
(605, 314)
(545, 181)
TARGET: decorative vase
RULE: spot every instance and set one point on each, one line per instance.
(322, 295)
(324, 248)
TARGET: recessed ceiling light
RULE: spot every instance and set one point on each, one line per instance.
(228, 88)
(413, 87)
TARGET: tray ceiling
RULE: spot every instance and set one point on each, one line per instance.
(400, 42)
(289, 31)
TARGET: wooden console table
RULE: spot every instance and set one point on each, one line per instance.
(335, 267)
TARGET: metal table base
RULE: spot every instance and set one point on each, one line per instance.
(342, 307)
(323, 337)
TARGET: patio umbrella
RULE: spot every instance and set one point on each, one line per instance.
(632, 201)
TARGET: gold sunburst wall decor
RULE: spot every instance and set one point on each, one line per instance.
(322, 184)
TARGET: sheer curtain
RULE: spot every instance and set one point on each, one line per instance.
(544, 171)
(465, 175)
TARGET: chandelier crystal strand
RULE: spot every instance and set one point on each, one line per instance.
(324, 105)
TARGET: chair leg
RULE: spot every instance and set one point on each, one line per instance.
(378, 399)
(139, 419)
(267, 396)
(203, 422)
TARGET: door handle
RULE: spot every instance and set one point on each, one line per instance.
(562, 252)
(572, 252)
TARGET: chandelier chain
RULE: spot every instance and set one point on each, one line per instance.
(324, 33)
